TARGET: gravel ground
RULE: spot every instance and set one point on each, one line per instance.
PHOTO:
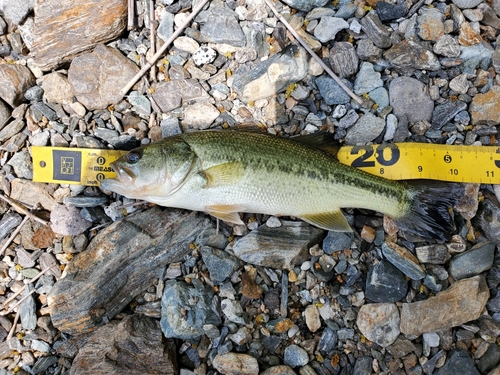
(93, 283)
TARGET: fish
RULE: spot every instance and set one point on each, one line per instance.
(226, 172)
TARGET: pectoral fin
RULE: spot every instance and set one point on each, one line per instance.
(223, 174)
(228, 213)
(334, 221)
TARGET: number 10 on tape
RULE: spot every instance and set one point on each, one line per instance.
(405, 161)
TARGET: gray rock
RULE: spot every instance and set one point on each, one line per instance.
(288, 66)
(318, 12)
(112, 70)
(200, 115)
(331, 92)
(379, 322)
(367, 79)
(490, 359)
(172, 94)
(140, 103)
(462, 302)
(280, 248)
(233, 311)
(443, 113)
(473, 261)
(337, 241)
(391, 122)
(4, 114)
(388, 11)
(43, 363)
(346, 11)
(8, 222)
(295, 356)
(381, 97)
(368, 51)
(404, 260)
(166, 26)
(385, 283)
(185, 310)
(21, 162)
(447, 46)
(375, 30)
(458, 362)
(85, 201)
(430, 24)
(343, 59)
(328, 27)
(349, 119)
(363, 365)
(14, 81)
(3, 26)
(27, 310)
(219, 24)
(410, 98)
(306, 5)
(34, 93)
(169, 127)
(220, 264)
(40, 109)
(40, 346)
(328, 340)
(16, 11)
(409, 55)
(365, 130)
(467, 4)
(68, 221)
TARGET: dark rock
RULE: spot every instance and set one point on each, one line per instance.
(343, 59)
(185, 310)
(331, 92)
(280, 248)
(490, 359)
(328, 340)
(363, 365)
(219, 263)
(404, 260)
(8, 222)
(131, 346)
(271, 343)
(385, 283)
(458, 362)
(409, 55)
(488, 219)
(473, 261)
(388, 11)
(119, 263)
(445, 112)
(295, 356)
(375, 30)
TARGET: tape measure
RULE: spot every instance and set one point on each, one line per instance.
(400, 161)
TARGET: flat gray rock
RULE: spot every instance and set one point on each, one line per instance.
(306, 5)
(366, 129)
(219, 24)
(98, 77)
(410, 97)
(473, 261)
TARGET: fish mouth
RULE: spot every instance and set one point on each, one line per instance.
(124, 178)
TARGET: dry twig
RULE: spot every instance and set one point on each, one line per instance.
(152, 21)
(131, 14)
(19, 208)
(14, 324)
(14, 234)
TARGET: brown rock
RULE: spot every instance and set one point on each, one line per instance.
(248, 286)
(467, 36)
(119, 263)
(430, 24)
(14, 81)
(311, 315)
(64, 28)
(132, 346)
(462, 302)
(236, 364)
(98, 77)
(31, 193)
(469, 203)
(379, 322)
(485, 108)
(279, 370)
(412, 55)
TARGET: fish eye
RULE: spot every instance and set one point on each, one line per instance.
(133, 157)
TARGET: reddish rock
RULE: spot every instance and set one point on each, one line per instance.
(468, 36)
(485, 108)
(64, 28)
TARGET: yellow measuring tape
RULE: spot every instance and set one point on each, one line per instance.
(400, 161)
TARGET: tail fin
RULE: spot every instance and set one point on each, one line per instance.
(430, 214)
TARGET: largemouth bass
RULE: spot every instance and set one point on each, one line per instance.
(224, 173)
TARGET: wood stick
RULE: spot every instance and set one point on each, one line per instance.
(313, 54)
(14, 234)
(14, 324)
(152, 21)
(160, 52)
(19, 208)
(12, 308)
(131, 14)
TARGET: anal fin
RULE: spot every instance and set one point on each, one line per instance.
(227, 212)
(334, 221)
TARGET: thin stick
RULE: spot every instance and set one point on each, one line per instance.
(152, 21)
(313, 54)
(14, 324)
(22, 210)
(131, 14)
(14, 234)
(12, 308)
(160, 52)
(6, 302)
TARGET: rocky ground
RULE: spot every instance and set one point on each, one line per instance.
(92, 284)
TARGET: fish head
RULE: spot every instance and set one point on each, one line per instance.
(152, 171)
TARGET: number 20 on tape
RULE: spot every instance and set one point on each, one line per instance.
(404, 161)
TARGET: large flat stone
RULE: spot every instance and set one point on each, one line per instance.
(64, 28)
